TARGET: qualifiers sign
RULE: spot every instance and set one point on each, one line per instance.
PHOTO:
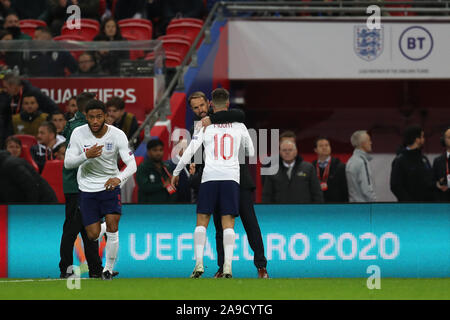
(138, 93)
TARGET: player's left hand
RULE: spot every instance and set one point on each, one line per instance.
(174, 180)
(112, 183)
(206, 121)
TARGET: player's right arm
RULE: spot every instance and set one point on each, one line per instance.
(196, 142)
(75, 156)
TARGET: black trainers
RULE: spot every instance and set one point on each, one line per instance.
(99, 275)
(106, 275)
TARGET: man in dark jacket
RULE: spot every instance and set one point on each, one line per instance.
(441, 169)
(20, 183)
(30, 117)
(295, 182)
(153, 176)
(330, 172)
(200, 106)
(412, 175)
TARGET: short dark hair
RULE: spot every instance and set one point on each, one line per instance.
(117, 102)
(13, 139)
(83, 99)
(154, 143)
(411, 134)
(50, 116)
(50, 126)
(288, 134)
(95, 105)
(320, 138)
(4, 33)
(44, 29)
(29, 95)
(220, 97)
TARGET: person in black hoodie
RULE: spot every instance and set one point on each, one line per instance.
(412, 175)
(331, 172)
(20, 183)
(441, 169)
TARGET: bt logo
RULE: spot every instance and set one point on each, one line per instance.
(416, 43)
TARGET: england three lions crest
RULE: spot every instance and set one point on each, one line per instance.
(368, 44)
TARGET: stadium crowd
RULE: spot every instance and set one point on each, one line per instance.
(32, 125)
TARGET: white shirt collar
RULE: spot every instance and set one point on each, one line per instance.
(324, 161)
(289, 165)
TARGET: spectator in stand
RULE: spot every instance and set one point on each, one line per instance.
(71, 108)
(441, 169)
(90, 9)
(30, 117)
(184, 191)
(129, 9)
(109, 61)
(18, 89)
(4, 36)
(10, 59)
(59, 151)
(48, 140)
(56, 15)
(14, 146)
(6, 129)
(11, 24)
(27, 9)
(330, 172)
(412, 175)
(50, 63)
(87, 66)
(20, 183)
(358, 171)
(295, 182)
(123, 120)
(58, 119)
(5, 8)
(153, 176)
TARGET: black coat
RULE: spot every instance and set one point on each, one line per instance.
(20, 183)
(440, 174)
(412, 177)
(337, 182)
(46, 104)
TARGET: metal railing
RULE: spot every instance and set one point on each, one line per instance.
(223, 8)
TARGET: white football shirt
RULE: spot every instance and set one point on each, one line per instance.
(222, 143)
(93, 173)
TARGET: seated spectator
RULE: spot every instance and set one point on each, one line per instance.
(18, 89)
(50, 63)
(6, 129)
(20, 183)
(59, 151)
(153, 176)
(441, 169)
(30, 117)
(5, 8)
(330, 172)
(12, 25)
(48, 141)
(295, 182)
(71, 108)
(87, 66)
(56, 15)
(4, 36)
(123, 120)
(184, 191)
(109, 61)
(14, 146)
(58, 119)
(412, 175)
(10, 59)
(357, 170)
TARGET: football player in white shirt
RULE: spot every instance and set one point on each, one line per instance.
(220, 180)
(94, 148)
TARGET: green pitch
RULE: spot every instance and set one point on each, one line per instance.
(226, 289)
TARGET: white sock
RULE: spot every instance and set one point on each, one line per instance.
(102, 231)
(199, 244)
(112, 247)
(228, 244)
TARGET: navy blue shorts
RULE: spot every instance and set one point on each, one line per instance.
(95, 205)
(220, 197)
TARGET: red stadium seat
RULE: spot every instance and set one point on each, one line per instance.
(176, 45)
(175, 36)
(87, 31)
(71, 37)
(187, 29)
(134, 54)
(133, 20)
(52, 173)
(95, 23)
(27, 140)
(28, 29)
(173, 59)
(34, 22)
(27, 156)
(188, 20)
(139, 30)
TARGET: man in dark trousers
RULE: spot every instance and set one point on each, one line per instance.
(200, 106)
(412, 175)
(331, 172)
(73, 224)
(20, 183)
(441, 169)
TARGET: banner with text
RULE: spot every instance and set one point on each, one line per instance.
(338, 50)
